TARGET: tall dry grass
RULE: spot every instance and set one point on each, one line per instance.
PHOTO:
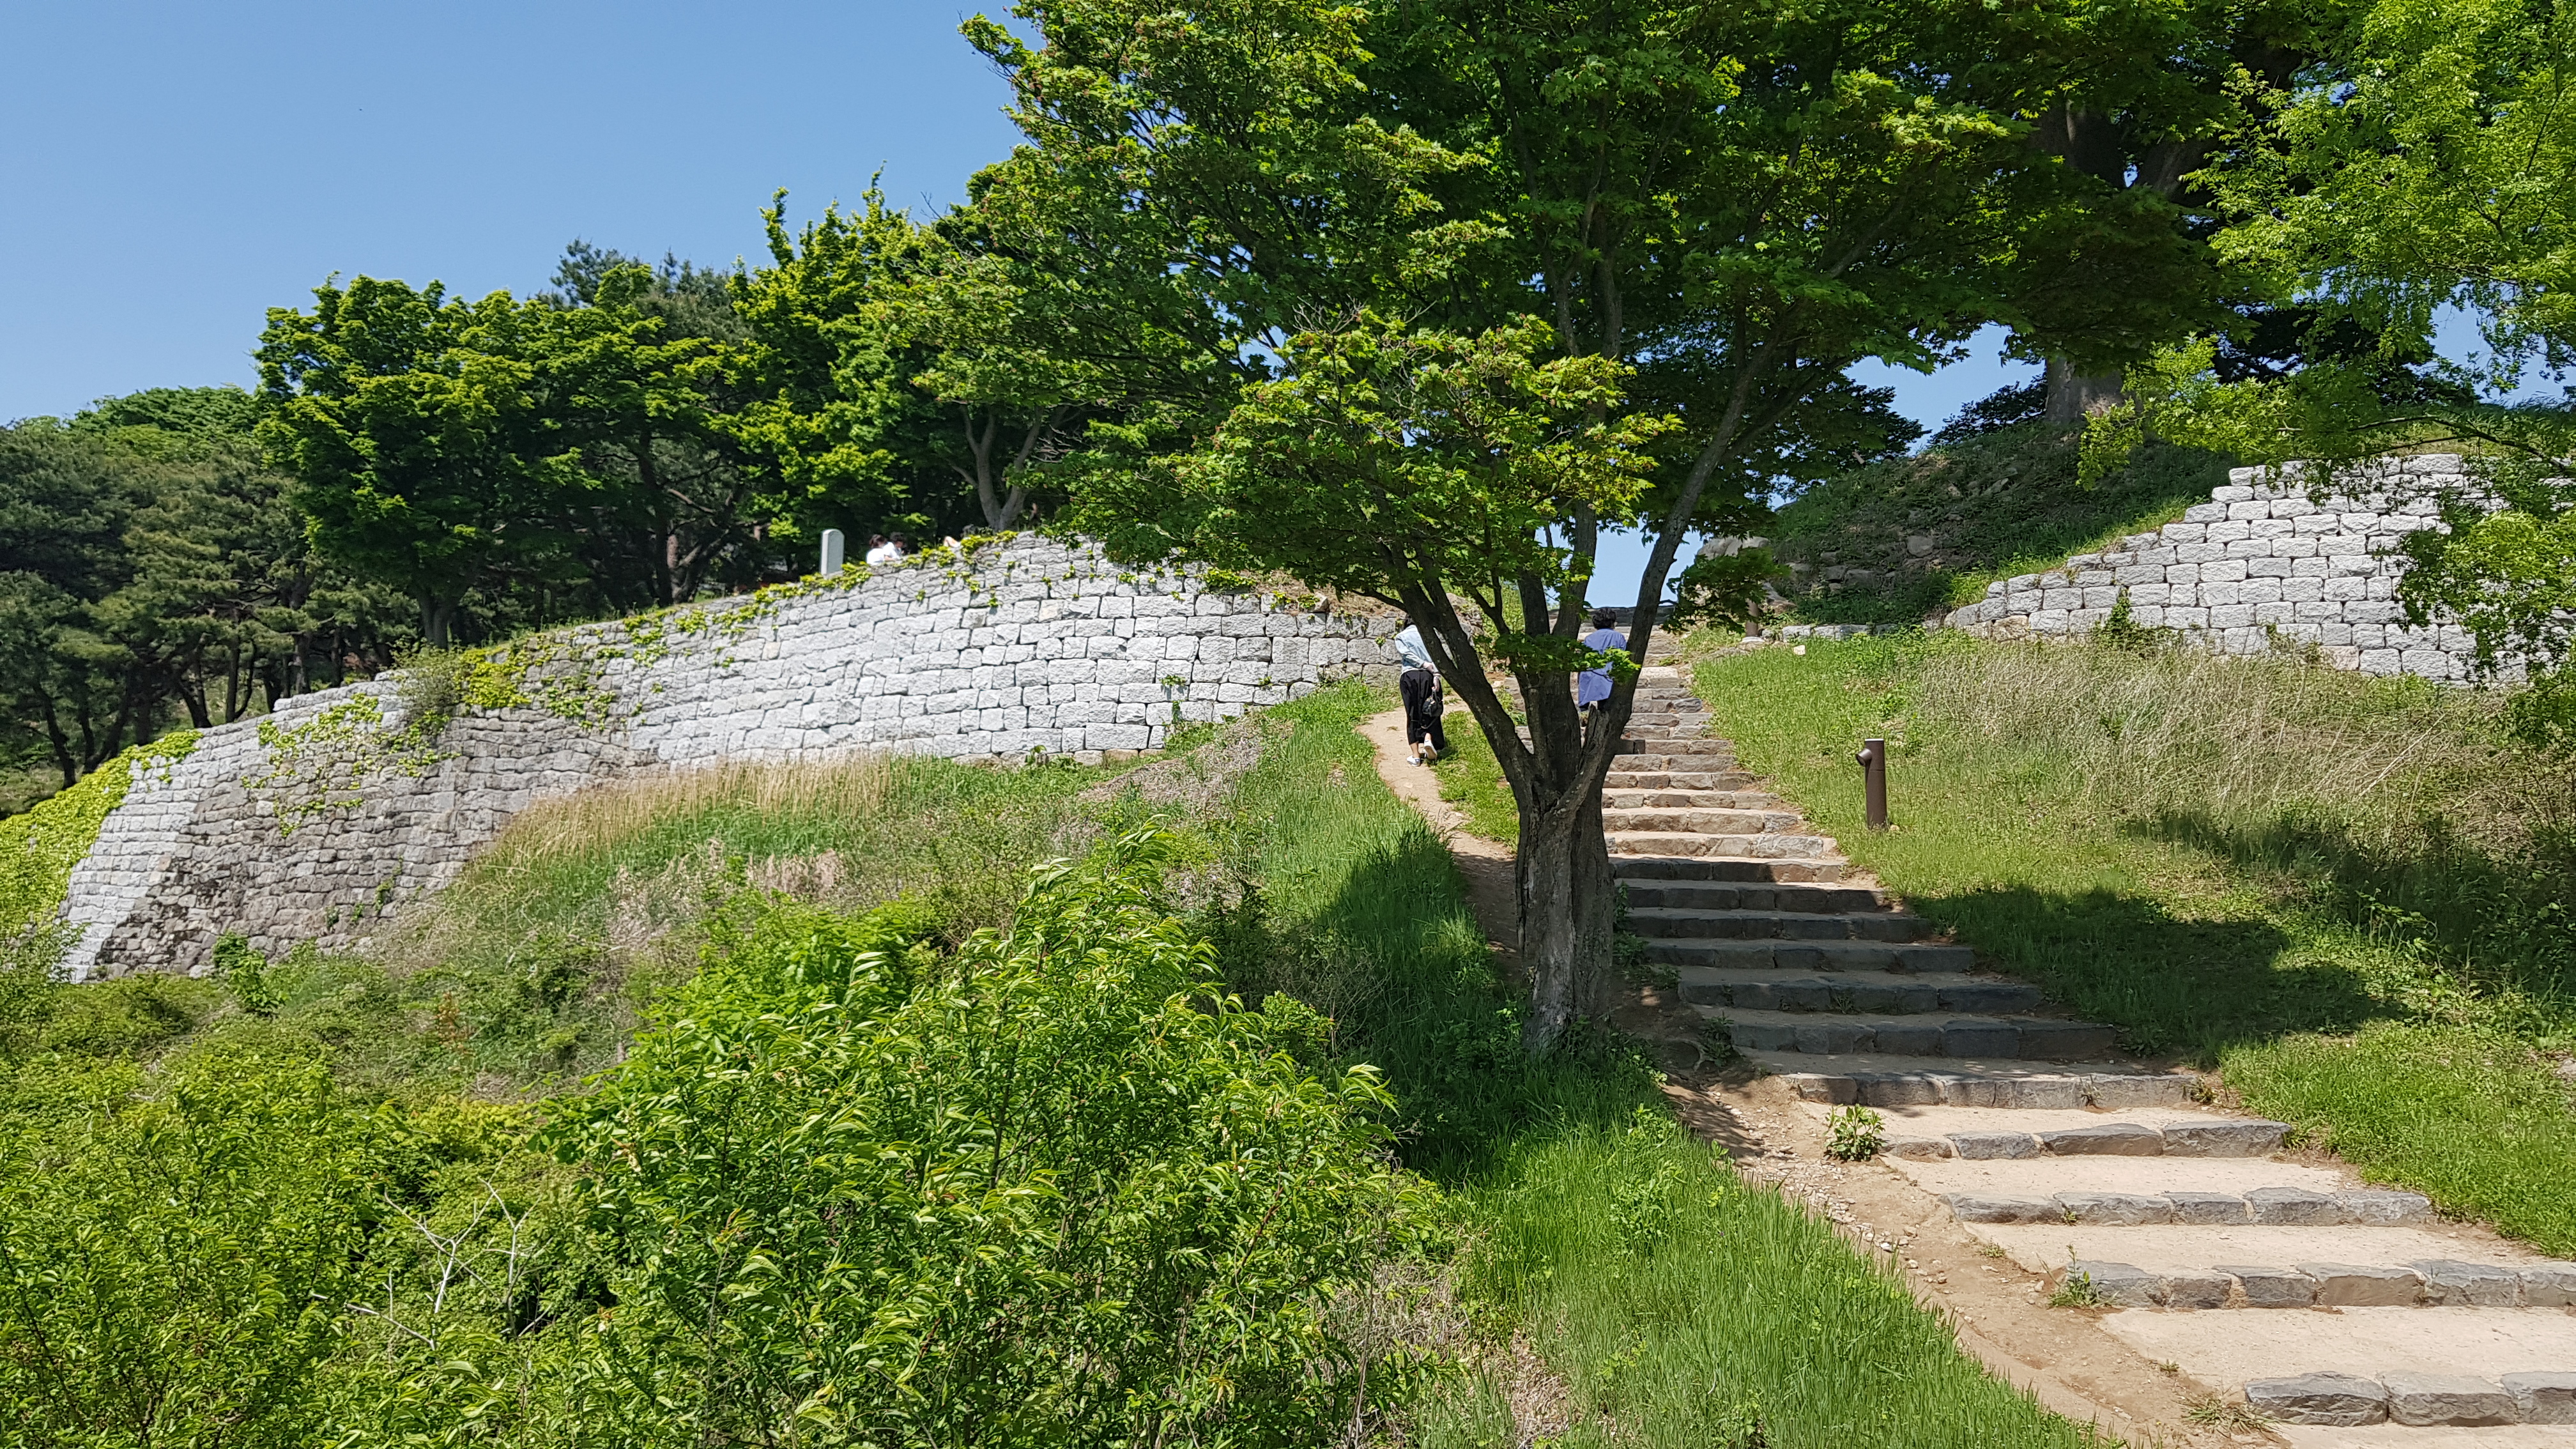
(580, 826)
(2279, 753)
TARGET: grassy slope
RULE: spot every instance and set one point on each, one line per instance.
(2338, 890)
(1994, 506)
(1682, 1308)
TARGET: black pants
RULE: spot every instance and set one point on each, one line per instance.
(1422, 704)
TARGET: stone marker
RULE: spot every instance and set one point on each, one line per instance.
(2543, 1398)
(2341, 1400)
(2424, 1400)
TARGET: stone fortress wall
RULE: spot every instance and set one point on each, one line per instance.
(321, 820)
(2261, 565)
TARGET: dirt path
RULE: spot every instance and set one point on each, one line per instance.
(1486, 864)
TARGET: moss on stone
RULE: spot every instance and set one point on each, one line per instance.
(39, 848)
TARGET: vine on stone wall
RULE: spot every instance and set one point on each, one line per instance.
(39, 848)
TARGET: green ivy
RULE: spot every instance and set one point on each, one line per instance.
(39, 849)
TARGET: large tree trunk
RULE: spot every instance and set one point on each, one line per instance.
(1567, 915)
(2073, 396)
(1567, 909)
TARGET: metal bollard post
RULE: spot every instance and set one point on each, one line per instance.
(1873, 775)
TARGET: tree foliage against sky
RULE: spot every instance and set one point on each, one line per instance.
(1723, 207)
(2425, 167)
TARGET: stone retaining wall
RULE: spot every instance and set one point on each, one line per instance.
(2260, 565)
(329, 822)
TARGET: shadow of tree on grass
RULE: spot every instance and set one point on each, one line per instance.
(2503, 924)
(2174, 985)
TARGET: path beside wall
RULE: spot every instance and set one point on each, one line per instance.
(2259, 565)
(321, 821)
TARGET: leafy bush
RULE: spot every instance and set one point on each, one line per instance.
(175, 1253)
(1854, 1134)
(1053, 1188)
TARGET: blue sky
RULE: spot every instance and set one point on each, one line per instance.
(172, 171)
(168, 172)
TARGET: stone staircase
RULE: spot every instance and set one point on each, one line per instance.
(2177, 1222)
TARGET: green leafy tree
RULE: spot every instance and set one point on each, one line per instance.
(2425, 164)
(418, 432)
(1729, 207)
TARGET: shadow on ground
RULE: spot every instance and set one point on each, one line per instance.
(2175, 986)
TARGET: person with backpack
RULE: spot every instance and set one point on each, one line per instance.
(1419, 684)
(1592, 686)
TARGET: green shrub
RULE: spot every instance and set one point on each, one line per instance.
(1053, 1187)
(175, 1251)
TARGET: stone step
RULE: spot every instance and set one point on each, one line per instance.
(1677, 780)
(2272, 1207)
(1656, 922)
(1989, 1037)
(2372, 1344)
(1885, 1079)
(2423, 1283)
(1694, 954)
(1680, 764)
(1631, 798)
(1685, 821)
(1701, 748)
(1650, 892)
(1782, 846)
(2211, 1137)
(1886, 992)
(2444, 1410)
(1625, 865)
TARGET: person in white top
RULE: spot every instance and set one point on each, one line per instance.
(883, 550)
(1420, 686)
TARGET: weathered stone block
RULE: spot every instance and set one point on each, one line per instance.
(2118, 1285)
(2115, 1139)
(1989, 1146)
(2424, 1400)
(1986, 1208)
(2114, 1209)
(2474, 1285)
(2210, 1208)
(2355, 1285)
(2337, 1400)
(2247, 1138)
(2374, 1205)
(2273, 1287)
(2542, 1398)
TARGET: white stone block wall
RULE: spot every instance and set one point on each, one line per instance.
(2260, 565)
(1033, 646)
